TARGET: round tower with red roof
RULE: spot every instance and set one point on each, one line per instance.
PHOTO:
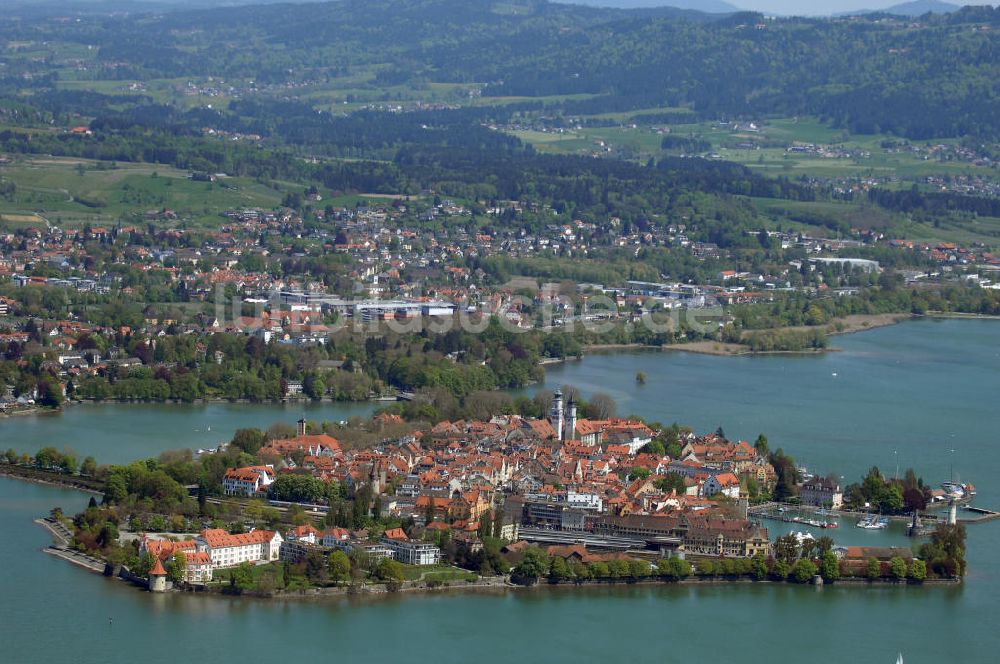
(157, 578)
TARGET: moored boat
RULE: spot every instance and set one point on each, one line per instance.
(873, 522)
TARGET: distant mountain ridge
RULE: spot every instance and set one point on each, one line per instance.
(921, 7)
(705, 6)
(914, 8)
(870, 75)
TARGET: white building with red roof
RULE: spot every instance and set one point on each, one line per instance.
(247, 481)
(725, 483)
(227, 550)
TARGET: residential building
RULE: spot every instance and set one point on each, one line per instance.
(733, 538)
(247, 481)
(822, 491)
(227, 550)
(414, 553)
(199, 567)
(726, 484)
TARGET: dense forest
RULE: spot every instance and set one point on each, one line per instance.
(934, 77)
(931, 77)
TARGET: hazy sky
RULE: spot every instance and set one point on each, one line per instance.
(809, 7)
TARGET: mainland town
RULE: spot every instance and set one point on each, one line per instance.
(72, 326)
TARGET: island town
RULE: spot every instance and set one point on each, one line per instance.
(507, 501)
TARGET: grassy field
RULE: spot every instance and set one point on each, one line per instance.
(74, 191)
(796, 214)
(643, 141)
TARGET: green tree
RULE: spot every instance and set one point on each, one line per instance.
(897, 567)
(254, 510)
(830, 567)
(786, 548)
(271, 516)
(599, 569)
(784, 466)
(761, 445)
(679, 568)
(391, 572)
(618, 569)
(241, 578)
(116, 489)
(177, 568)
(340, 566)
(918, 570)
(108, 535)
(248, 440)
(638, 569)
(873, 569)
(50, 393)
(144, 564)
(534, 565)
(88, 467)
(559, 569)
(758, 566)
(803, 570)
(317, 568)
(780, 570)
(671, 482)
(637, 473)
(945, 552)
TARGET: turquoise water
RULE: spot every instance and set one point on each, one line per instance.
(119, 433)
(54, 612)
(921, 389)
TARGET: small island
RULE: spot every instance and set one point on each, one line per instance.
(397, 503)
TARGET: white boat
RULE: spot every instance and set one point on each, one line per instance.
(873, 522)
(957, 490)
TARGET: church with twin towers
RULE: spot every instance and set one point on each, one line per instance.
(563, 420)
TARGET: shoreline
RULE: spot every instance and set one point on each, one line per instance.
(51, 480)
(957, 315)
(487, 585)
(493, 586)
(852, 324)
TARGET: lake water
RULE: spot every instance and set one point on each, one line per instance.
(119, 433)
(906, 394)
(921, 389)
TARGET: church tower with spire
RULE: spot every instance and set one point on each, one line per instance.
(556, 416)
(569, 433)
